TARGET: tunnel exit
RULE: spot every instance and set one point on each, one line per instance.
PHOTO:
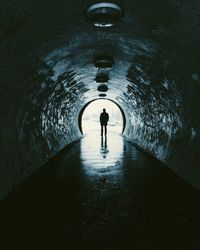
(89, 117)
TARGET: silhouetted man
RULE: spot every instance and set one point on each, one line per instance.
(104, 117)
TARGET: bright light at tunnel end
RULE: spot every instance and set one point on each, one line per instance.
(90, 118)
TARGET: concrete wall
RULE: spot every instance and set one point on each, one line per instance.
(48, 74)
(165, 114)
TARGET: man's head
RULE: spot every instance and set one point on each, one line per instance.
(104, 110)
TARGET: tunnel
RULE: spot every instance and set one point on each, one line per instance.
(57, 57)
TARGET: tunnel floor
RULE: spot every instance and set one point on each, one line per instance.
(102, 194)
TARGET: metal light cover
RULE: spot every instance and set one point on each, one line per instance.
(102, 95)
(104, 14)
(103, 63)
(102, 88)
(102, 77)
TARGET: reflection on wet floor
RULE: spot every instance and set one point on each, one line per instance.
(102, 194)
(104, 154)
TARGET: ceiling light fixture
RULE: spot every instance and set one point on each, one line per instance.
(104, 14)
(102, 77)
(103, 62)
(102, 95)
(102, 88)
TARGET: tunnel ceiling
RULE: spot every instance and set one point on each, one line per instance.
(56, 40)
(48, 73)
(155, 41)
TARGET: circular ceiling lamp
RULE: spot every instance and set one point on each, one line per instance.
(102, 95)
(102, 77)
(103, 62)
(102, 88)
(104, 14)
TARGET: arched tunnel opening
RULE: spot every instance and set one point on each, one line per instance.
(60, 57)
(89, 117)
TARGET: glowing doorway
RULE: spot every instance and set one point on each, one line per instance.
(90, 117)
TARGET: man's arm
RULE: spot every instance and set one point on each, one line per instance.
(107, 117)
(100, 117)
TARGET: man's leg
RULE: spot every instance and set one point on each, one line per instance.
(101, 129)
(105, 129)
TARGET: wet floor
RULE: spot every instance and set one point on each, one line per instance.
(99, 194)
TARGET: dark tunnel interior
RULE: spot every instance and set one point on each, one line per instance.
(144, 56)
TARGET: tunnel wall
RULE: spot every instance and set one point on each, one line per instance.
(38, 124)
(160, 119)
(48, 74)
(163, 119)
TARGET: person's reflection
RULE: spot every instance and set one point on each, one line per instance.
(104, 149)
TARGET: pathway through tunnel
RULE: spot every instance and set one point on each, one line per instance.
(102, 195)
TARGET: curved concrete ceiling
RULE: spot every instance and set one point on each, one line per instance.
(48, 75)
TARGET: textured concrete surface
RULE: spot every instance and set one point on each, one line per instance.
(48, 74)
(105, 195)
